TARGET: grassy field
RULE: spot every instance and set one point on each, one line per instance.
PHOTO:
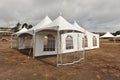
(99, 64)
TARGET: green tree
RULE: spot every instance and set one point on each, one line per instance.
(25, 25)
(16, 28)
(117, 33)
(29, 26)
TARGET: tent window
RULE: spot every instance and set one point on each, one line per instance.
(69, 42)
(94, 41)
(85, 41)
(28, 42)
(49, 43)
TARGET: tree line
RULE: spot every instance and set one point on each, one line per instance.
(116, 33)
(19, 26)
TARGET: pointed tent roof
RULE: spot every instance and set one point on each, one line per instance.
(76, 24)
(21, 31)
(62, 23)
(107, 35)
(40, 25)
(44, 22)
(83, 30)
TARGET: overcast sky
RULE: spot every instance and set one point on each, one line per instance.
(93, 15)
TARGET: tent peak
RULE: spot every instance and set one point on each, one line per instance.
(107, 35)
(75, 23)
(24, 28)
(47, 18)
(60, 19)
(44, 22)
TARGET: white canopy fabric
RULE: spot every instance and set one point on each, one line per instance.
(62, 23)
(89, 36)
(82, 29)
(40, 25)
(44, 22)
(117, 36)
(107, 35)
(20, 32)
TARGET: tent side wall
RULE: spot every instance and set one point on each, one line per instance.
(98, 42)
(77, 42)
(80, 41)
(39, 46)
(89, 41)
(21, 41)
(24, 41)
(39, 43)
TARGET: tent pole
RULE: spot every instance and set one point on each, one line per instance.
(31, 44)
(18, 40)
(11, 42)
(84, 48)
(114, 39)
(58, 45)
(34, 44)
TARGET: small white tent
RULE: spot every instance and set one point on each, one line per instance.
(14, 42)
(25, 36)
(107, 35)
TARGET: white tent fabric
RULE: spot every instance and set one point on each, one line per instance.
(89, 36)
(41, 31)
(107, 35)
(44, 22)
(97, 41)
(39, 44)
(22, 40)
(62, 23)
(75, 42)
(40, 25)
(21, 31)
(82, 29)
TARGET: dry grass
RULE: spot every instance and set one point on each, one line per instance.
(99, 64)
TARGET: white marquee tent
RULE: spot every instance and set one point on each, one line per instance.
(58, 36)
(58, 25)
(25, 36)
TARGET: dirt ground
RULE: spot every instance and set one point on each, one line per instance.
(99, 64)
